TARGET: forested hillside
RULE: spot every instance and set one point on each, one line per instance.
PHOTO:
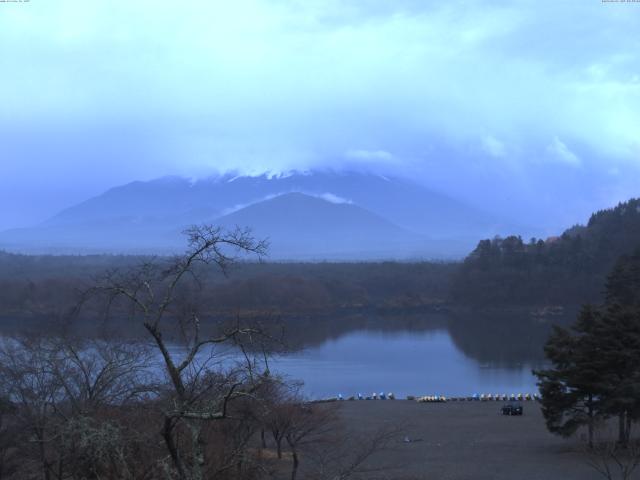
(51, 285)
(569, 269)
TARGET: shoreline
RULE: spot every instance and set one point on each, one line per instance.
(520, 397)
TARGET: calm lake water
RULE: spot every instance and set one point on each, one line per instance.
(402, 362)
(412, 354)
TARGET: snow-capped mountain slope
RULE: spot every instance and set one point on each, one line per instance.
(143, 216)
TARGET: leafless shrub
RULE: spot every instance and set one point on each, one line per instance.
(610, 458)
(50, 383)
(8, 436)
(344, 455)
(613, 461)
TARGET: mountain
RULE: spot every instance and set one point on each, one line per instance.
(300, 226)
(148, 216)
(403, 202)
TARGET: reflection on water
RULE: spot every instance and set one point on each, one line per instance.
(412, 353)
(406, 363)
(452, 354)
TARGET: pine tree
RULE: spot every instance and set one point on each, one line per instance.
(569, 389)
(595, 369)
(618, 337)
(623, 283)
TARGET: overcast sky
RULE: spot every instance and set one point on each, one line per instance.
(520, 106)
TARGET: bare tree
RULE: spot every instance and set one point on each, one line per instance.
(612, 459)
(95, 373)
(344, 455)
(8, 434)
(54, 383)
(34, 390)
(308, 423)
(278, 421)
(154, 296)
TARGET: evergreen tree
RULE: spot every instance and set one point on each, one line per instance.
(618, 355)
(569, 389)
(623, 283)
(595, 368)
(618, 336)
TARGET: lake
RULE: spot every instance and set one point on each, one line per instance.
(402, 362)
(412, 353)
(451, 354)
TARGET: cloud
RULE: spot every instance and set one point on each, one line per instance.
(560, 152)
(240, 206)
(330, 197)
(370, 156)
(327, 197)
(493, 146)
(118, 91)
(290, 82)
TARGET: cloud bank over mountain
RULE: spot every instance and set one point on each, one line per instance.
(517, 106)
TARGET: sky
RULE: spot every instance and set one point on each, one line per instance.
(528, 108)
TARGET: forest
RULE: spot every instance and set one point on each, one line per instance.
(565, 270)
(37, 286)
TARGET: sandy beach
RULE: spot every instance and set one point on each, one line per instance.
(468, 440)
